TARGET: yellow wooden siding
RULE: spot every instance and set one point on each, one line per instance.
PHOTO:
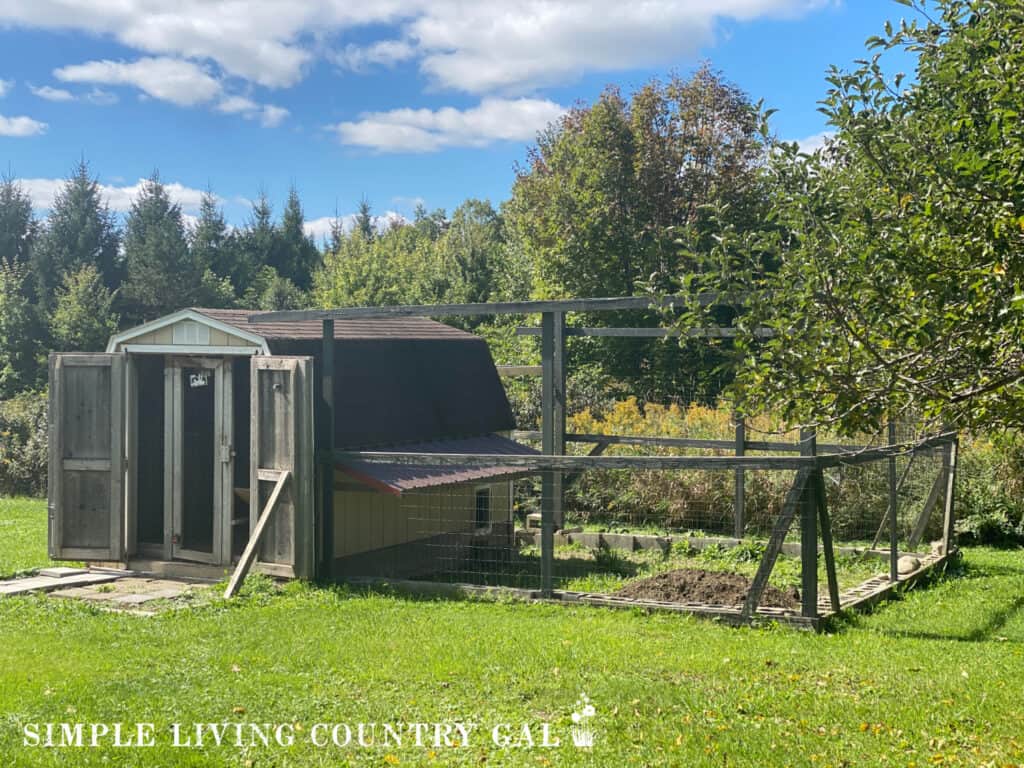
(368, 520)
(165, 336)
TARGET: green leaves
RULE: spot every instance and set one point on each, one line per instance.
(898, 287)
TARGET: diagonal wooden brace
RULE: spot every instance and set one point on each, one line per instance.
(249, 555)
(773, 549)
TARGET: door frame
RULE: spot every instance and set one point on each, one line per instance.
(223, 469)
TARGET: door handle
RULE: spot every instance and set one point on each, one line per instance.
(227, 453)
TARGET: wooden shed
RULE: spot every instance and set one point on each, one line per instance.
(165, 448)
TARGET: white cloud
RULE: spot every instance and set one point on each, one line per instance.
(320, 229)
(21, 126)
(384, 52)
(269, 115)
(52, 94)
(426, 130)
(118, 197)
(5, 87)
(514, 45)
(519, 45)
(101, 98)
(179, 82)
(812, 144)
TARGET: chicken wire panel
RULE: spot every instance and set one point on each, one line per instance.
(665, 535)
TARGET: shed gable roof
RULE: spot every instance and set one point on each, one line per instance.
(240, 333)
(372, 328)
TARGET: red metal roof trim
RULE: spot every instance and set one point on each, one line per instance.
(399, 478)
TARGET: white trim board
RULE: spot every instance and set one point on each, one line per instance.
(189, 349)
(119, 339)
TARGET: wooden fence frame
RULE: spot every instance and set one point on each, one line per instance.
(805, 499)
(553, 463)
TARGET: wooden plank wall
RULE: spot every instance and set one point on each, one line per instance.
(369, 520)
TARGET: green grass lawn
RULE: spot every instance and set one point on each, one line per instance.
(935, 678)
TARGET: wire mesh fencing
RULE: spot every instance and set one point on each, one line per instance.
(815, 523)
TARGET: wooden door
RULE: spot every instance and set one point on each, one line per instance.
(282, 439)
(86, 466)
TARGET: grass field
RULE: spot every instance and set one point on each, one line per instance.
(933, 679)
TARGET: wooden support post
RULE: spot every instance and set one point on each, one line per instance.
(894, 534)
(552, 437)
(948, 514)
(326, 466)
(825, 521)
(249, 554)
(739, 502)
(809, 534)
(796, 495)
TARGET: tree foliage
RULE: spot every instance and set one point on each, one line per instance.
(900, 286)
(18, 228)
(21, 338)
(616, 198)
(80, 230)
(162, 276)
(83, 318)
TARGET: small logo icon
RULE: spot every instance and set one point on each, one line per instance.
(582, 731)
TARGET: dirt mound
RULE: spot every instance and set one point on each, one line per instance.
(711, 587)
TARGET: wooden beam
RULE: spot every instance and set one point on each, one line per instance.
(326, 471)
(948, 512)
(663, 442)
(825, 522)
(809, 534)
(875, 454)
(498, 308)
(543, 461)
(773, 548)
(894, 534)
(509, 371)
(249, 554)
(650, 333)
(739, 499)
(689, 442)
(938, 486)
(572, 477)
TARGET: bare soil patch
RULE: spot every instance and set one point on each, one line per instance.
(699, 586)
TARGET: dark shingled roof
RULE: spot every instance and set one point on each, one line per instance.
(399, 478)
(373, 328)
(396, 380)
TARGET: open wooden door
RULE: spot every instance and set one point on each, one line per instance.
(282, 440)
(86, 472)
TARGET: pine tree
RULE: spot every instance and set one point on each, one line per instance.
(216, 255)
(161, 275)
(337, 232)
(257, 244)
(80, 230)
(364, 220)
(17, 225)
(210, 236)
(297, 256)
(22, 363)
(83, 318)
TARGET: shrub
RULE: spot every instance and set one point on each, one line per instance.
(23, 440)
(990, 484)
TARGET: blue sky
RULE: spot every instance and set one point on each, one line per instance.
(397, 101)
